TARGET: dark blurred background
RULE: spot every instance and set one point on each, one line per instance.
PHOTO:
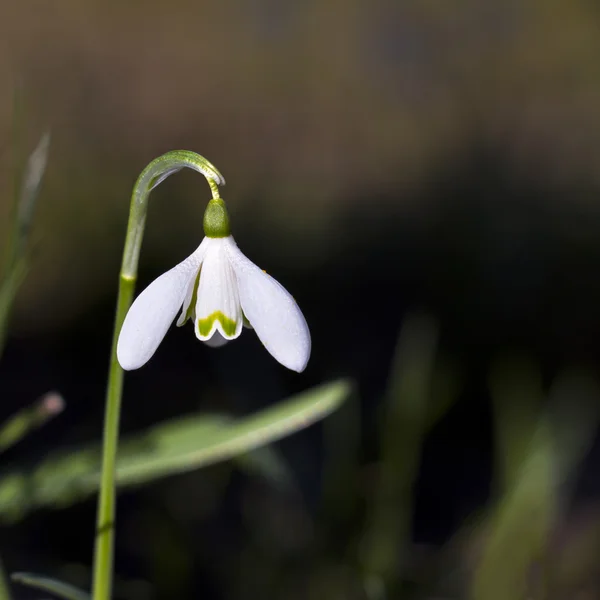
(381, 157)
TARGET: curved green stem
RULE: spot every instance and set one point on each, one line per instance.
(156, 172)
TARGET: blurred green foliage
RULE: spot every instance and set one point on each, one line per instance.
(539, 443)
(56, 588)
(166, 449)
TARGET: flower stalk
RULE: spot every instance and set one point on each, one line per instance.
(156, 172)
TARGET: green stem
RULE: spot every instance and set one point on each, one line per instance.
(158, 170)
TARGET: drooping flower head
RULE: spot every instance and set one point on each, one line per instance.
(219, 290)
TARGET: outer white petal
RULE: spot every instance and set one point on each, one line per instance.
(153, 312)
(218, 304)
(274, 314)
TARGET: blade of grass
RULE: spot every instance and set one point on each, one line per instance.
(519, 527)
(574, 410)
(4, 590)
(239, 437)
(340, 482)
(24, 194)
(174, 447)
(517, 397)
(404, 424)
(46, 584)
(571, 418)
(26, 191)
(29, 419)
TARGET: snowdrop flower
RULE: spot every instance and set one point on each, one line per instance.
(220, 290)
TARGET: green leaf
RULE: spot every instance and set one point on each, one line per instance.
(173, 447)
(58, 588)
(179, 448)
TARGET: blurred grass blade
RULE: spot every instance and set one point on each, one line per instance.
(8, 291)
(30, 187)
(58, 588)
(173, 453)
(4, 591)
(574, 413)
(537, 452)
(405, 422)
(517, 397)
(25, 196)
(177, 446)
(341, 496)
(519, 528)
(29, 419)
(446, 384)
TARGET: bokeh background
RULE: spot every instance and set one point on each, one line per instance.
(383, 159)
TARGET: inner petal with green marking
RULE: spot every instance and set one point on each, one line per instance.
(217, 299)
(208, 325)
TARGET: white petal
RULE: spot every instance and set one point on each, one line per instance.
(218, 304)
(153, 312)
(274, 314)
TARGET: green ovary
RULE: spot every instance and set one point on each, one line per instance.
(205, 325)
(216, 219)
